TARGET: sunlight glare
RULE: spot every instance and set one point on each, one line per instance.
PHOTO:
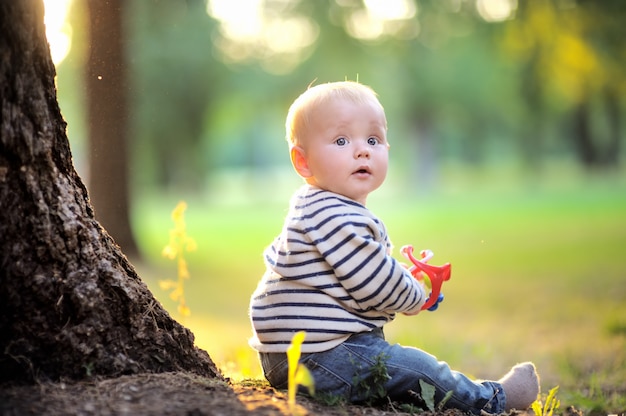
(240, 20)
(496, 10)
(391, 9)
(263, 30)
(58, 30)
(301, 34)
(362, 25)
(382, 17)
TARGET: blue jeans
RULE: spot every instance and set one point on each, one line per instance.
(338, 371)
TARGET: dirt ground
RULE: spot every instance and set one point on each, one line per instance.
(180, 394)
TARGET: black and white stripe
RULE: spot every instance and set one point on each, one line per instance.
(329, 273)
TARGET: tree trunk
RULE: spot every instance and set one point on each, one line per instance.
(612, 100)
(71, 305)
(107, 108)
(582, 135)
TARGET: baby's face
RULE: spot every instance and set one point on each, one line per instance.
(346, 148)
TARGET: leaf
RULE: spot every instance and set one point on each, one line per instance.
(298, 374)
(176, 294)
(552, 403)
(184, 310)
(183, 270)
(167, 284)
(428, 395)
(293, 351)
(304, 378)
(175, 250)
(549, 406)
(179, 212)
(169, 252)
(445, 399)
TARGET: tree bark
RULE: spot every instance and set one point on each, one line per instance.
(71, 305)
(107, 108)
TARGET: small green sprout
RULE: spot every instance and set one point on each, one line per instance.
(428, 396)
(551, 404)
(175, 250)
(372, 386)
(298, 373)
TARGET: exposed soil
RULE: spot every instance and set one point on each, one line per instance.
(180, 393)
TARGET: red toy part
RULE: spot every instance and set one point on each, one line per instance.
(436, 274)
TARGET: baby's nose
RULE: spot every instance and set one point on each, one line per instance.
(362, 151)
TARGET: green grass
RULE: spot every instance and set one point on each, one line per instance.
(539, 273)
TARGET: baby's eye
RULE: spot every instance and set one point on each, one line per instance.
(341, 141)
(373, 141)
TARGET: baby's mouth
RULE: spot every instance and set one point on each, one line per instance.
(362, 171)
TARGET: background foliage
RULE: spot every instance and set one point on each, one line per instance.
(544, 84)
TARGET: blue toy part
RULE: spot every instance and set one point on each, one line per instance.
(436, 305)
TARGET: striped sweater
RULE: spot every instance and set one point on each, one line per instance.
(329, 273)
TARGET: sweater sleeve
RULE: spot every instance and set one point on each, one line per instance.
(354, 245)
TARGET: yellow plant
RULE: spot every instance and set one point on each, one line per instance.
(298, 373)
(179, 243)
(551, 404)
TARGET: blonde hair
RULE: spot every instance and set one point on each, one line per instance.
(299, 113)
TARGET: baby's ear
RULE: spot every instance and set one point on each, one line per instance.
(299, 162)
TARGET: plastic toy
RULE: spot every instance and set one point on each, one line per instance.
(436, 274)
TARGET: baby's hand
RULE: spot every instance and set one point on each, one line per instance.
(431, 309)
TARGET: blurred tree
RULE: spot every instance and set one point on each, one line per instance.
(571, 56)
(71, 305)
(176, 81)
(598, 135)
(454, 90)
(208, 97)
(108, 121)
